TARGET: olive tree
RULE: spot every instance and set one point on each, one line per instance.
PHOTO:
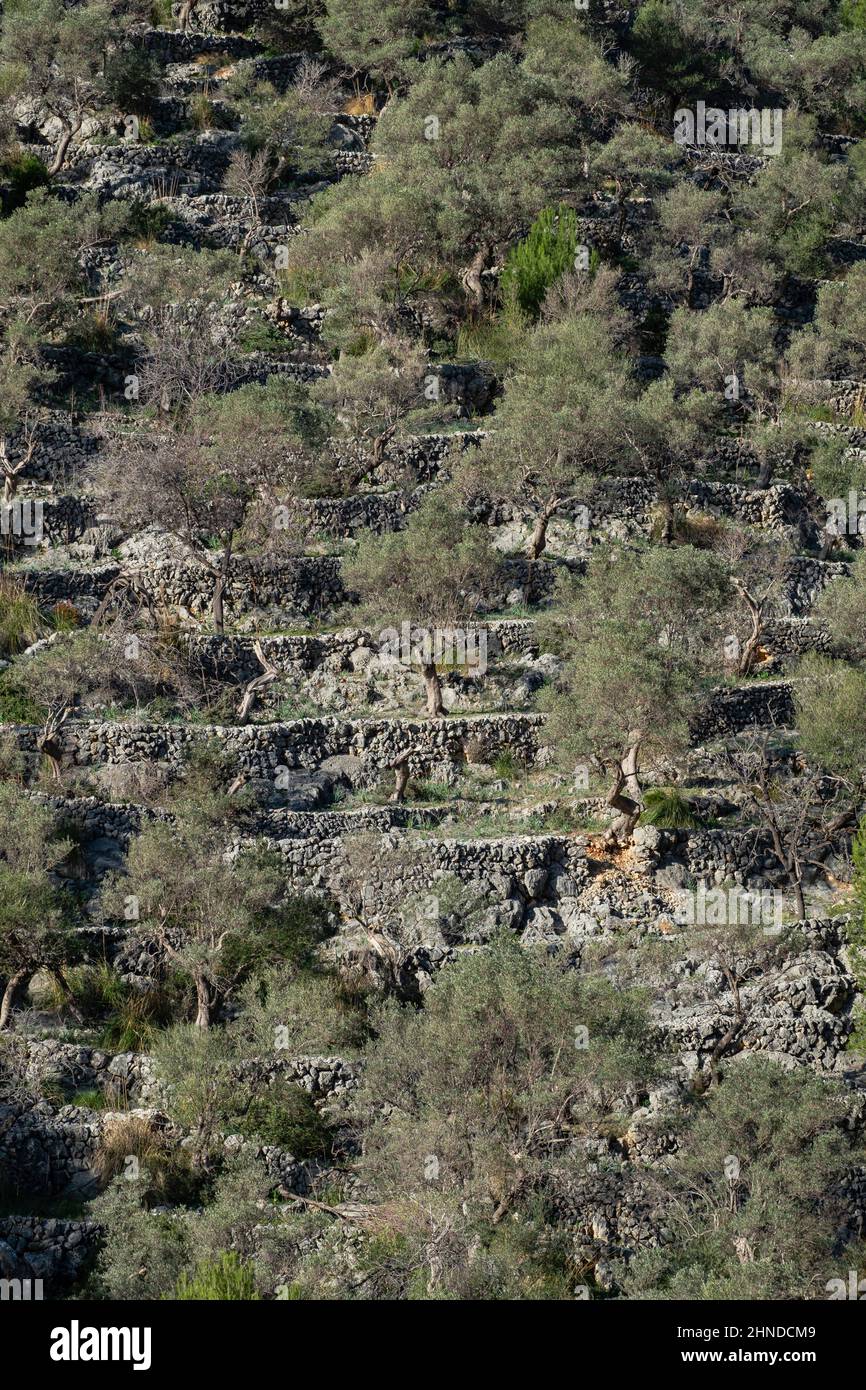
(639, 635)
(687, 50)
(838, 475)
(758, 566)
(688, 223)
(637, 164)
(831, 720)
(801, 802)
(42, 286)
(463, 162)
(115, 664)
(288, 130)
(558, 426)
(795, 203)
(376, 37)
(769, 1225)
(55, 54)
(434, 574)
(173, 296)
(663, 431)
(728, 351)
(833, 344)
(216, 918)
(841, 607)
(192, 491)
(37, 916)
(371, 395)
(753, 959)
(512, 1062)
(228, 475)
(556, 48)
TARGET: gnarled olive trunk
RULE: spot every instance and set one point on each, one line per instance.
(470, 276)
(204, 1002)
(69, 998)
(266, 676)
(538, 539)
(750, 650)
(185, 14)
(221, 580)
(625, 796)
(435, 707)
(400, 768)
(752, 644)
(15, 986)
(667, 528)
(217, 608)
(381, 442)
(829, 543)
(765, 473)
(62, 150)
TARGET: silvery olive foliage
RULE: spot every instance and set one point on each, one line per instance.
(432, 652)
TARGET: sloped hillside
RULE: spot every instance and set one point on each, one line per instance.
(432, 648)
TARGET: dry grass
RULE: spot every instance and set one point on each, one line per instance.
(20, 620)
(125, 1137)
(364, 104)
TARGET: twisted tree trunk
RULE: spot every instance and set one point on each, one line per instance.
(186, 11)
(221, 579)
(435, 707)
(204, 1002)
(400, 768)
(625, 796)
(753, 641)
(470, 276)
(67, 132)
(14, 989)
(268, 674)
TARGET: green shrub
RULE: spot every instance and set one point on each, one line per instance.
(852, 13)
(507, 766)
(428, 790)
(129, 1017)
(667, 809)
(497, 340)
(131, 80)
(148, 221)
(226, 1279)
(790, 1133)
(205, 114)
(286, 1116)
(561, 818)
(20, 173)
(143, 1252)
(135, 1019)
(65, 617)
(164, 1171)
(535, 263)
(15, 706)
(261, 336)
(93, 331)
(88, 1099)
